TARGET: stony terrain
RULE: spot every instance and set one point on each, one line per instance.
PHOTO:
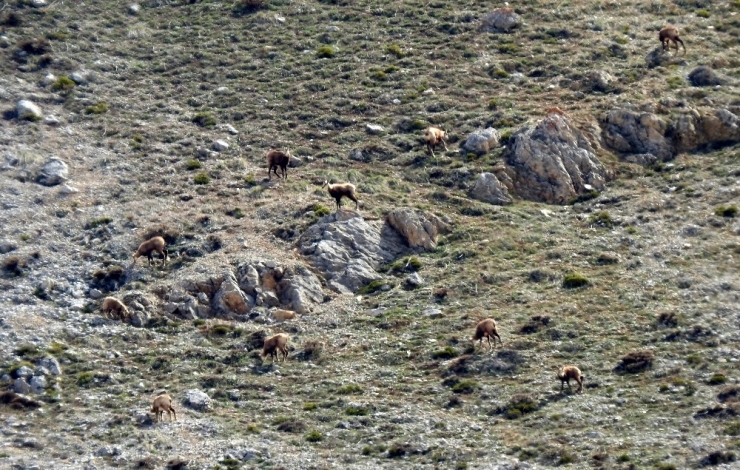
(587, 200)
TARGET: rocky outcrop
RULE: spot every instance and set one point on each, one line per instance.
(552, 162)
(631, 132)
(299, 289)
(481, 142)
(489, 189)
(346, 249)
(500, 20)
(699, 128)
(230, 300)
(420, 229)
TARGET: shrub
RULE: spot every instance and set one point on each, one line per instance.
(38, 46)
(717, 379)
(100, 108)
(105, 220)
(408, 264)
(465, 387)
(193, 164)
(535, 323)
(63, 84)
(350, 389)
(726, 211)
(202, 178)
(13, 266)
(636, 361)
(355, 410)
(729, 394)
(204, 120)
(314, 436)
(674, 82)
(309, 406)
(326, 52)
(519, 405)
(398, 450)
(574, 280)
(394, 49)
(667, 319)
(290, 425)
(447, 353)
(372, 286)
(602, 219)
(84, 379)
(733, 429)
(717, 458)
(236, 213)
(702, 13)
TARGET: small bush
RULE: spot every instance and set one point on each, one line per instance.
(84, 379)
(408, 264)
(729, 394)
(350, 389)
(353, 410)
(100, 108)
(204, 120)
(326, 52)
(636, 361)
(398, 450)
(372, 286)
(63, 84)
(314, 436)
(602, 219)
(726, 211)
(13, 266)
(447, 353)
(202, 178)
(465, 387)
(309, 406)
(667, 319)
(574, 280)
(535, 324)
(236, 213)
(519, 405)
(38, 46)
(105, 220)
(702, 13)
(290, 425)
(718, 457)
(193, 164)
(395, 49)
(733, 429)
(717, 379)
(11, 19)
(607, 258)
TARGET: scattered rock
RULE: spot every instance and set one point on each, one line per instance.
(107, 451)
(6, 246)
(489, 189)
(704, 76)
(26, 109)
(38, 3)
(658, 57)
(414, 280)
(374, 129)
(432, 312)
(220, 146)
(500, 20)
(300, 288)
(231, 129)
(54, 172)
(552, 162)
(197, 400)
(600, 80)
(38, 384)
(420, 229)
(80, 78)
(644, 159)
(428, 91)
(134, 9)
(637, 133)
(481, 142)
(23, 372)
(21, 386)
(295, 161)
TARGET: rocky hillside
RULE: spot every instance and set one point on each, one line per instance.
(587, 200)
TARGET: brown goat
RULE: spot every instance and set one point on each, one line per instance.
(566, 373)
(340, 190)
(276, 343)
(116, 308)
(435, 136)
(668, 34)
(151, 246)
(162, 403)
(275, 159)
(486, 328)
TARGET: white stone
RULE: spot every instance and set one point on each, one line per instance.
(220, 145)
(28, 110)
(374, 129)
(54, 172)
(51, 120)
(48, 79)
(134, 8)
(66, 190)
(38, 384)
(428, 91)
(231, 129)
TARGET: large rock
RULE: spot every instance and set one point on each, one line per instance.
(552, 162)
(197, 400)
(230, 301)
(500, 20)
(419, 228)
(489, 189)
(481, 142)
(346, 249)
(38, 384)
(51, 364)
(53, 172)
(630, 132)
(26, 109)
(300, 288)
(658, 57)
(21, 386)
(704, 76)
(703, 127)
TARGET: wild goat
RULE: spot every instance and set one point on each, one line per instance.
(276, 343)
(668, 34)
(282, 315)
(162, 403)
(340, 190)
(116, 308)
(566, 373)
(435, 136)
(486, 328)
(153, 245)
(275, 159)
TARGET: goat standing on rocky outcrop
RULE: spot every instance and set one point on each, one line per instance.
(276, 343)
(568, 373)
(275, 159)
(116, 308)
(162, 403)
(340, 190)
(153, 245)
(486, 328)
(668, 34)
(435, 136)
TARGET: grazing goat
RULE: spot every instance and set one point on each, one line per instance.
(435, 136)
(276, 343)
(486, 328)
(282, 315)
(566, 373)
(116, 308)
(668, 34)
(340, 190)
(162, 403)
(275, 159)
(153, 245)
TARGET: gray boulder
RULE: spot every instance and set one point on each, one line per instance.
(481, 142)
(24, 372)
(300, 288)
(699, 127)
(489, 189)
(53, 172)
(21, 386)
(26, 109)
(704, 76)
(6, 246)
(631, 132)
(51, 364)
(346, 249)
(552, 162)
(500, 20)
(658, 57)
(420, 229)
(197, 400)
(38, 384)
(599, 80)
(230, 301)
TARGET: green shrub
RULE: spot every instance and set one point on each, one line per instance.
(447, 353)
(204, 120)
(98, 222)
(372, 286)
(320, 211)
(85, 378)
(100, 108)
(726, 211)
(717, 379)
(466, 386)
(326, 52)
(602, 219)
(202, 178)
(519, 405)
(574, 280)
(63, 84)
(314, 436)
(236, 213)
(357, 411)
(733, 429)
(702, 13)
(636, 361)
(350, 389)
(394, 49)
(193, 164)
(675, 82)
(309, 406)
(408, 264)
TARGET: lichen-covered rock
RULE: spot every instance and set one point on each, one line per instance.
(489, 189)
(21, 386)
(628, 132)
(481, 142)
(599, 80)
(420, 229)
(552, 162)
(501, 20)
